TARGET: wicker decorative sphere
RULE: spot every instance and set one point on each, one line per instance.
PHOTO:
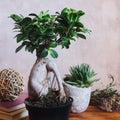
(11, 85)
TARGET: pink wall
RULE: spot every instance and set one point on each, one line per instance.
(101, 49)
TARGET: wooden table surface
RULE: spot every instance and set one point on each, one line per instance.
(93, 113)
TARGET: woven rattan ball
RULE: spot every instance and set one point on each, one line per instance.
(11, 85)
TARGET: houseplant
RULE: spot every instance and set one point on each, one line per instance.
(108, 98)
(41, 34)
(79, 83)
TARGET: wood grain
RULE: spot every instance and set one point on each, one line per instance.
(93, 113)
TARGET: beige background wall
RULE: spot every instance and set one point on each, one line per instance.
(101, 49)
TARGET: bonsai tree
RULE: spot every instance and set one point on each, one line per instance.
(81, 76)
(41, 33)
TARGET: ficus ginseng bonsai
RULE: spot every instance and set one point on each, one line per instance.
(42, 33)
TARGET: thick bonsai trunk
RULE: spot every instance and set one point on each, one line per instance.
(40, 81)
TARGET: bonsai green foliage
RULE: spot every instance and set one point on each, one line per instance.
(80, 76)
(107, 99)
(43, 32)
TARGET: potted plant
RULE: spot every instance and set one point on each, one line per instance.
(79, 83)
(41, 33)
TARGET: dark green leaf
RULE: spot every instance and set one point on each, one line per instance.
(53, 53)
(80, 12)
(72, 38)
(19, 37)
(85, 30)
(53, 44)
(65, 43)
(44, 52)
(82, 36)
(19, 48)
(74, 34)
(65, 10)
(33, 14)
(31, 48)
(79, 24)
(26, 21)
(26, 43)
(72, 83)
(16, 18)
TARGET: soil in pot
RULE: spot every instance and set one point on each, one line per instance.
(48, 109)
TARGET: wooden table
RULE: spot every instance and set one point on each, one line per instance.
(93, 113)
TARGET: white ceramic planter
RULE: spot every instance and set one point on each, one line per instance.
(81, 97)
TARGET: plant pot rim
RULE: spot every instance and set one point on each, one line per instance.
(75, 87)
(51, 107)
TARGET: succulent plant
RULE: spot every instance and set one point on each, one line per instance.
(80, 76)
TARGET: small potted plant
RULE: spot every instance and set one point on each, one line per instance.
(108, 98)
(79, 83)
(41, 33)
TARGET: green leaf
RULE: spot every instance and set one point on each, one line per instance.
(85, 30)
(26, 21)
(19, 37)
(53, 53)
(79, 24)
(44, 52)
(72, 39)
(53, 44)
(16, 18)
(82, 36)
(74, 34)
(44, 14)
(80, 75)
(65, 42)
(31, 48)
(33, 14)
(65, 10)
(19, 48)
(72, 83)
(81, 13)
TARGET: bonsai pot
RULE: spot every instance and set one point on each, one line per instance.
(81, 97)
(60, 112)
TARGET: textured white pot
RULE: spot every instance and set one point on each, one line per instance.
(81, 97)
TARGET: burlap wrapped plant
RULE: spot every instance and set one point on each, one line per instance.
(11, 85)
